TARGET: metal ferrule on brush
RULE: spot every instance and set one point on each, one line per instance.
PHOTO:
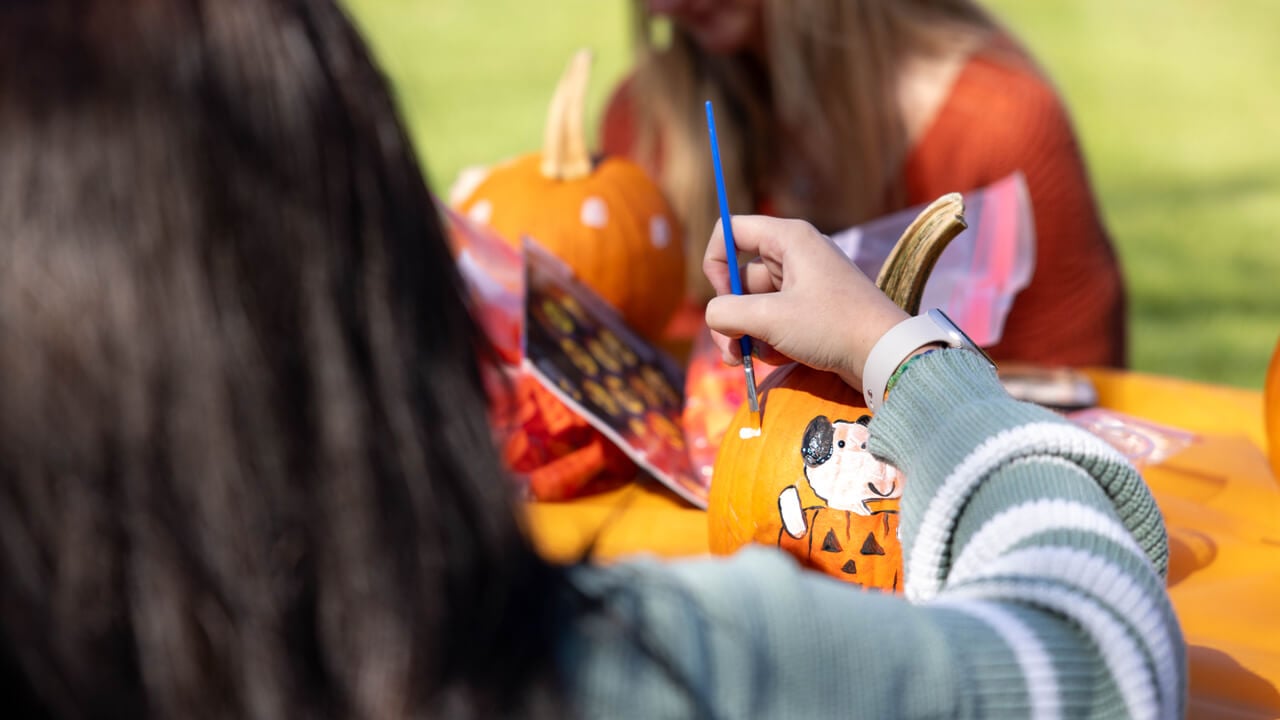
(753, 400)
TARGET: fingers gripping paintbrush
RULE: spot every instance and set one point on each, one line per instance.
(731, 251)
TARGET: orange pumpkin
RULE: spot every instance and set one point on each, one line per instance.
(805, 482)
(802, 480)
(607, 220)
(1271, 403)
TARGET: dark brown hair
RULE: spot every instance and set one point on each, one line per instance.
(245, 468)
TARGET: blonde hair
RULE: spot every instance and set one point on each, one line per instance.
(817, 126)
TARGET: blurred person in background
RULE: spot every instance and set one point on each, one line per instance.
(246, 471)
(840, 111)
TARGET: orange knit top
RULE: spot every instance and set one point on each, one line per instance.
(1001, 116)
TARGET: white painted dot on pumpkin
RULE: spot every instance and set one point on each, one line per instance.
(469, 178)
(594, 214)
(659, 232)
(481, 212)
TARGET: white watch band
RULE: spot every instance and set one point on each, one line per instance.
(900, 341)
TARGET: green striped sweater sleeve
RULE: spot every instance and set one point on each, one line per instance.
(1034, 561)
(1017, 518)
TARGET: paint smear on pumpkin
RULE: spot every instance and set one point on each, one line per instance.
(747, 433)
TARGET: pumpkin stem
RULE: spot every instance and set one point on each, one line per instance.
(909, 264)
(564, 141)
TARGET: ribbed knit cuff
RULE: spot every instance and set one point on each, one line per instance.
(949, 422)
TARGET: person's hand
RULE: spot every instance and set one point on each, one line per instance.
(804, 299)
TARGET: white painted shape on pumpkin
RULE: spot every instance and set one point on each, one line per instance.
(791, 513)
(659, 232)
(594, 213)
(747, 433)
(469, 178)
(481, 212)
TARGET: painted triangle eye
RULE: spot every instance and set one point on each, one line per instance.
(870, 546)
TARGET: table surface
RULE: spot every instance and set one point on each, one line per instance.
(1220, 500)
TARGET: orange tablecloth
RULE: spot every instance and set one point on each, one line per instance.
(1221, 504)
(1219, 497)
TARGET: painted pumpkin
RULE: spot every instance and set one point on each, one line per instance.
(606, 219)
(803, 480)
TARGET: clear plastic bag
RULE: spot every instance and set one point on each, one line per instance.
(982, 269)
(1141, 441)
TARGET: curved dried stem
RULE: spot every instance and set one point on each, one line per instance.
(907, 268)
(564, 140)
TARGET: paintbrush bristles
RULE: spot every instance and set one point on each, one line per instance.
(753, 398)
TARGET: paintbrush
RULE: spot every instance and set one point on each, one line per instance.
(731, 250)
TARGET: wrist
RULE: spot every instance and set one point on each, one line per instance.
(860, 339)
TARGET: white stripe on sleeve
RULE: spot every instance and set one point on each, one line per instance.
(923, 569)
(1105, 581)
(1021, 522)
(1126, 663)
(1037, 667)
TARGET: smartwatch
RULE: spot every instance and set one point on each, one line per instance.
(903, 339)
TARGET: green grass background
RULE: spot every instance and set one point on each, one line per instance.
(1176, 101)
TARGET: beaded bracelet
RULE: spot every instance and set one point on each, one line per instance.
(893, 379)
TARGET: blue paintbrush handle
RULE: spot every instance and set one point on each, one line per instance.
(731, 248)
(731, 251)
